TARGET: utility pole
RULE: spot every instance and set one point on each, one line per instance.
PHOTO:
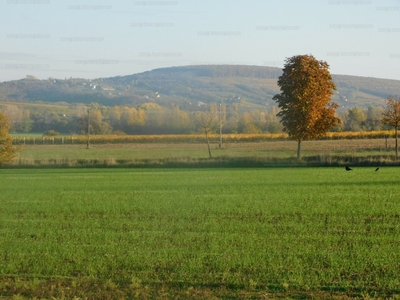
(220, 127)
(88, 128)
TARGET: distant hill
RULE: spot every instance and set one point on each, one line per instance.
(190, 86)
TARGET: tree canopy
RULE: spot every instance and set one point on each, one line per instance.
(305, 109)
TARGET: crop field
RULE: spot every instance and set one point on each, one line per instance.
(200, 233)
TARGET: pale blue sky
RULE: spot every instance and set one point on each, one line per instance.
(98, 38)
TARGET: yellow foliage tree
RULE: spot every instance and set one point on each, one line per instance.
(7, 150)
(391, 116)
(305, 108)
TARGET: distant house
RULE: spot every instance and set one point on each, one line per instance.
(107, 88)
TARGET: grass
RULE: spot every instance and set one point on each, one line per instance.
(199, 233)
(323, 152)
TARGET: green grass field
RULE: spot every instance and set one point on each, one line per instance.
(200, 233)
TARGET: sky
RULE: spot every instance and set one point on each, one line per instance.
(96, 38)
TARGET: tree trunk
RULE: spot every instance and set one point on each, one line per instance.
(208, 144)
(299, 150)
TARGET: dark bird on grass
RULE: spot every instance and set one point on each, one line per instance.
(377, 169)
(348, 168)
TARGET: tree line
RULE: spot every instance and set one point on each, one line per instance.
(148, 118)
(151, 118)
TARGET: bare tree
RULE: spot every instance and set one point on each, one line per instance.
(207, 122)
(391, 116)
(91, 121)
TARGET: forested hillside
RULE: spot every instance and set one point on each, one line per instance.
(166, 101)
(188, 85)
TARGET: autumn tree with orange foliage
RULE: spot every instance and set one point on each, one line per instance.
(305, 109)
(7, 150)
(391, 117)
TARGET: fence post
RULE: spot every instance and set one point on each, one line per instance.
(43, 140)
(72, 139)
(62, 140)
